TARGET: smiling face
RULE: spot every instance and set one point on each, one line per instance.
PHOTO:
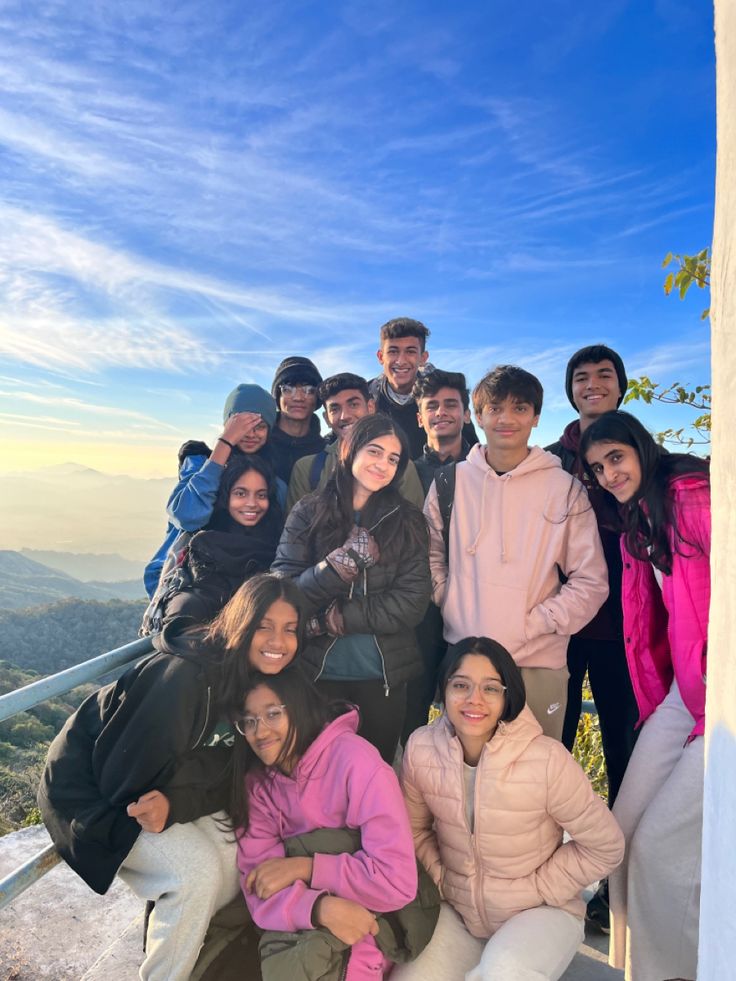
(442, 416)
(508, 424)
(255, 439)
(474, 702)
(374, 467)
(617, 469)
(343, 410)
(270, 736)
(595, 389)
(248, 501)
(275, 639)
(401, 358)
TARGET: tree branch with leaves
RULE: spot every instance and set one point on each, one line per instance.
(691, 269)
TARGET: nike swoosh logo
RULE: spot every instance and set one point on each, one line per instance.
(553, 708)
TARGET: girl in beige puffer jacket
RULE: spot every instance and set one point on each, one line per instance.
(489, 798)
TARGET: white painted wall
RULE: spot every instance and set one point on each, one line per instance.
(717, 955)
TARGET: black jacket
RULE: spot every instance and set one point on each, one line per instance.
(429, 463)
(285, 450)
(147, 731)
(405, 416)
(395, 597)
(219, 562)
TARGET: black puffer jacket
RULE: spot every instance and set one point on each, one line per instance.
(394, 601)
(148, 731)
(219, 562)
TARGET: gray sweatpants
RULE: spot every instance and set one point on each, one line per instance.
(655, 892)
(189, 871)
(535, 945)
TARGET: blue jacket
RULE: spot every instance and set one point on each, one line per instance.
(190, 507)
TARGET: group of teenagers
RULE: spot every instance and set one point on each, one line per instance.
(312, 599)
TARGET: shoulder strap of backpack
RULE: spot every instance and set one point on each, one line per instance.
(444, 479)
(315, 471)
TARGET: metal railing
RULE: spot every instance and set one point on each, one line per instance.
(39, 691)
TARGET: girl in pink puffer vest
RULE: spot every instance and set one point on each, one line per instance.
(664, 504)
(489, 797)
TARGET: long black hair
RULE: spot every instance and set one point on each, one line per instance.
(230, 635)
(307, 711)
(237, 465)
(647, 518)
(508, 671)
(394, 522)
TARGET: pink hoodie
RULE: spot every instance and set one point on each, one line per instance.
(666, 630)
(340, 782)
(510, 538)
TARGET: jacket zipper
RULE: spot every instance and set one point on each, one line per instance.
(344, 968)
(206, 718)
(480, 904)
(386, 689)
(322, 665)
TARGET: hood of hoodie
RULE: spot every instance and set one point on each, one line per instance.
(570, 438)
(536, 461)
(509, 742)
(348, 722)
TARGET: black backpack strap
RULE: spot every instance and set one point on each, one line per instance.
(444, 480)
(315, 471)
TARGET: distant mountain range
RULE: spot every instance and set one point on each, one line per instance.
(74, 509)
(88, 566)
(25, 582)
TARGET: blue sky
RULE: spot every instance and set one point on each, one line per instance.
(192, 192)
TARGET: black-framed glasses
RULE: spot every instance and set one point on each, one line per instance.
(247, 724)
(291, 389)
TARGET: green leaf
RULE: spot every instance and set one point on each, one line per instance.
(669, 283)
(667, 260)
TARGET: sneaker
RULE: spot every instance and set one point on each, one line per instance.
(597, 912)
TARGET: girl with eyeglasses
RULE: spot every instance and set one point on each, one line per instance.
(489, 798)
(663, 503)
(138, 781)
(308, 770)
(358, 551)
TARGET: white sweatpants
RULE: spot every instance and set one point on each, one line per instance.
(189, 871)
(536, 945)
(655, 893)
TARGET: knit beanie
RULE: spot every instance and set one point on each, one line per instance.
(293, 370)
(250, 398)
(593, 354)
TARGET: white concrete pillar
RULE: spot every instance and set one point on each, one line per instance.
(717, 953)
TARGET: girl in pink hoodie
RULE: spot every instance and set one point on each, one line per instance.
(308, 769)
(664, 505)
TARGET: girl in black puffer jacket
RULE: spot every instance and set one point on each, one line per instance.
(359, 553)
(204, 570)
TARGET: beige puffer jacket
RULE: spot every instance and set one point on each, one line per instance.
(528, 790)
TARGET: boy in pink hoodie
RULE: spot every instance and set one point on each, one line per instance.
(524, 563)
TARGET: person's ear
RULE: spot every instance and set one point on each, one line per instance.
(379, 354)
(466, 416)
(371, 405)
(423, 357)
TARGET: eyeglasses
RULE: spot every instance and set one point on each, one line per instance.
(293, 389)
(489, 691)
(247, 724)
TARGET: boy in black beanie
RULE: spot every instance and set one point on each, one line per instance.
(297, 430)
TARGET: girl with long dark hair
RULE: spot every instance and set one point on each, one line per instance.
(489, 798)
(358, 552)
(138, 780)
(202, 572)
(664, 506)
(308, 770)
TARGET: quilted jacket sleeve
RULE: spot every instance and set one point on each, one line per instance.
(596, 845)
(318, 583)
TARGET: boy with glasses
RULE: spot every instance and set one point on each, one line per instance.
(297, 430)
